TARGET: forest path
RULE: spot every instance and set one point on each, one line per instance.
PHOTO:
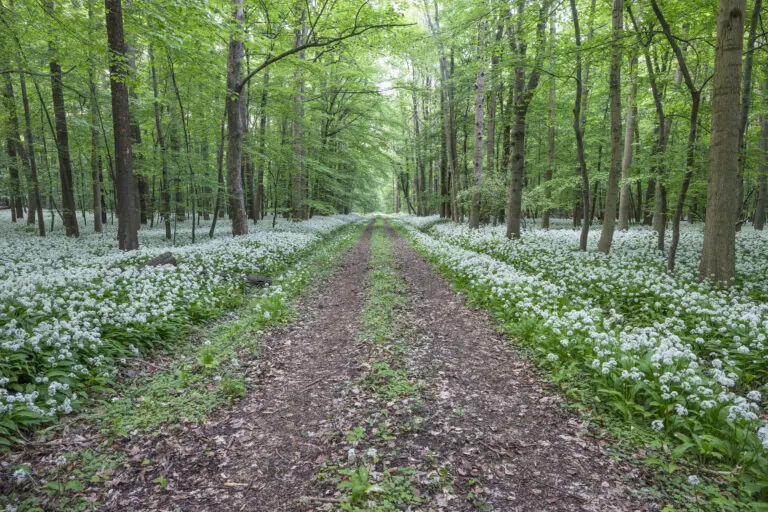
(260, 455)
(506, 442)
(436, 414)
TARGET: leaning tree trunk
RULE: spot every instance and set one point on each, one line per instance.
(718, 257)
(235, 125)
(127, 227)
(626, 163)
(612, 190)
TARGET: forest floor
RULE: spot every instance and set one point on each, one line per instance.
(387, 393)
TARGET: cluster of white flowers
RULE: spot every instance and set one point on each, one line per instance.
(693, 350)
(72, 309)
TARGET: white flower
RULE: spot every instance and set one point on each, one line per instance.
(693, 480)
(657, 425)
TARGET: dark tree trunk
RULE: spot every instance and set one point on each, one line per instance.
(579, 131)
(31, 157)
(235, 125)
(165, 191)
(127, 230)
(68, 211)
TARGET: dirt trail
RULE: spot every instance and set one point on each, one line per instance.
(261, 455)
(479, 434)
(506, 442)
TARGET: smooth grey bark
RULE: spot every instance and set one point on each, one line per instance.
(626, 163)
(612, 187)
(477, 157)
(718, 257)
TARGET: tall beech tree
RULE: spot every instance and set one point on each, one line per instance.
(611, 195)
(718, 258)
(128, 225)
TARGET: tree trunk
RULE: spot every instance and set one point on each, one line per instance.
(235, 125)
(258, 200)
(523, 94)
(578, 130)
(31, 157)
(718, 257)
(127, 227)
(746, 101)
(95, 160)
(69, 214)
(477, 163)
(552, 121)
(626, 163)
(762, 193)
(165, 192)
(612, 187)
(14, 148)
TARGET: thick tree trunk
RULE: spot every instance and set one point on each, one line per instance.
(477, 162)
(235, 125)
(68, 212)
(127, 230)
(718, 257)
(612, 187)
(626, 163)
(31, 156)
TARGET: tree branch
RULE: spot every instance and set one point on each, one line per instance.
(315, 44)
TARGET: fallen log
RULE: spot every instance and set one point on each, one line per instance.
(165, 258)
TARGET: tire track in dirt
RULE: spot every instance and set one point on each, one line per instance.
(506, 443)
(263, 454)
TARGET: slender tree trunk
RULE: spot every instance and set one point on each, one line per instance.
(578, 130)
(612, 187)
(718, 257)
(95, 160)
(14, 149)
(258, 201)
(626, 163)
(521, 100)
(746, 102)
(31, 156)
(551, 122)
(127, 230)
(69, 213)
(235, 125)
(165, 190)
(762, 192)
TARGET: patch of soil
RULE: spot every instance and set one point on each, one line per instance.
(506, 442)
(263, 454)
